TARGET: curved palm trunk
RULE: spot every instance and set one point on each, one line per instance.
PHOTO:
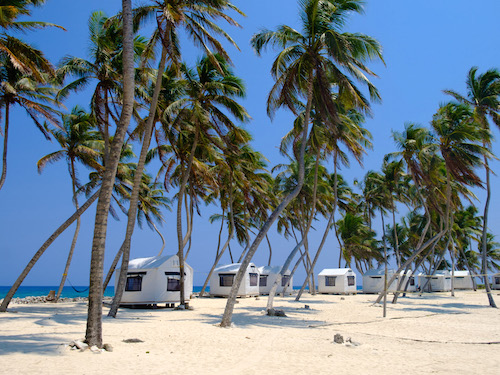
(226, 245)
(134, 196)
(270, 250)
(484, 237)
(42, 249)
(228, 311)
(113, 267)
(162, 239)
(294, 269)
(396, 239)
(277, 282)
(4, 155)
(75, 236)
(93, 335)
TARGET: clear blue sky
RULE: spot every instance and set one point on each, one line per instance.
(428, 46)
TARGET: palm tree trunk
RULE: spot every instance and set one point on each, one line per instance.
(396, 239)
(113, 267)
(180, 197)
(484, 237)
(162, 239)
(75, 236)
(93, 335)
(42, 249)
(270, 250)
(384, 313)
(5, 139)
(134, 196)
(228, 311)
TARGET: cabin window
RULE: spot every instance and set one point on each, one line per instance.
(459, 277)
(263, 280)
(330, 280)
(350, 280)
(173, 281)
(412, 281)
(376, 277)
(226, 279)
(254, 279)
(497, 280)
(285, 280)
(134, 282)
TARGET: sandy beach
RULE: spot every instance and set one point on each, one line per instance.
(421, 335)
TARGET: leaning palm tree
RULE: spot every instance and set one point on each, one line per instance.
(459, 142)
(310, 61)
(93, 335)
(37, 99)
(77, 141)
(483, 95)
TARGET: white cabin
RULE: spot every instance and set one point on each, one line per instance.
(337, 281)
(462, 280)
(155, 280)
(495, 281)
(440, 282)
(373, 281)
(267, 277)
(222, 279)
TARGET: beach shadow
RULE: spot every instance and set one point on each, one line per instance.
(44, 345)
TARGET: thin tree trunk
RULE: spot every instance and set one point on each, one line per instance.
(484, 237)
(330, 220)
(228, 311)
(384, 313)
(134, 196)
(270, 250)
(93, 335)
(180, 197)
(396, 239)
(75, 235)
(5, 139)
(39, 253)
(162, 239)
(113, 267)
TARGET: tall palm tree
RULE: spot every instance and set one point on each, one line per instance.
(19, 89)
(77, 142)
(93, 335)
(483, 95)
(194, 17)
(458, 141)
(309, 61)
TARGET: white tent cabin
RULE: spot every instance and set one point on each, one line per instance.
(373, 281)
(267, 277)
(337, 281)
(155, 280)
(495, 281)
(440, 282)
(222, 279)
(462, 280)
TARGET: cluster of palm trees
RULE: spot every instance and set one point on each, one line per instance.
(202, 153)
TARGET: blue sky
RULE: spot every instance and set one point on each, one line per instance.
(428, 46)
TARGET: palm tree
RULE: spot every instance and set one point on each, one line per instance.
(309, 62)
(93, 335)
(19, 89)
(458, 139)
(23, 57)
(170, 16)
(76, 139)
(483, 95)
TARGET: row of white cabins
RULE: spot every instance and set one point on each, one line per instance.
(156, 280)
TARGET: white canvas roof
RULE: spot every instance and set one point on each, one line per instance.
(148, 263)
(229, 268)
(334, 271)
(378, 271)
(461, 273)
(268, 270)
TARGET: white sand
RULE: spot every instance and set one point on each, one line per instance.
(431, 334)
